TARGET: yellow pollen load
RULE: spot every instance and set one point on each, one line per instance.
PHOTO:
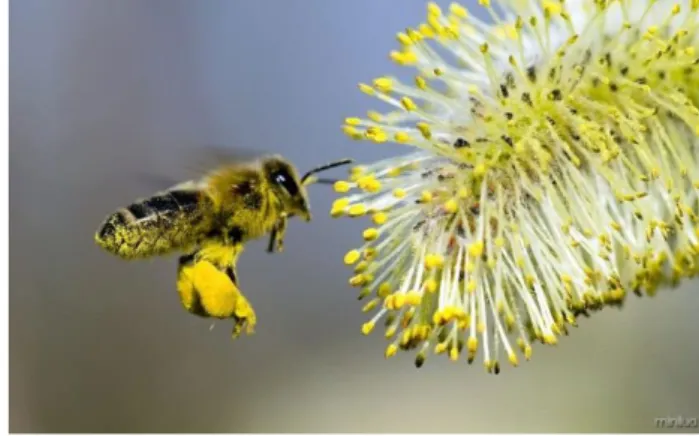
(547, 167)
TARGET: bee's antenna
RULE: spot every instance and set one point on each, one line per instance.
(307, 178)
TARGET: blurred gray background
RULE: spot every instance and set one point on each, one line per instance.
(101, 90)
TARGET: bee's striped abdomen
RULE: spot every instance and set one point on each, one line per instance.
(161, 224)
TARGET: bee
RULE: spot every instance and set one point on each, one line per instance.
(209, 221)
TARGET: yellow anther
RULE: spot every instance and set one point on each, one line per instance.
(366, 89)
(352, 132)
(552, 8)
(402, 137)
(408, 104)
(458, 10)
(370, 234)
(358, 280)
(361, 267)
(384, 84)
(472, 286)
(431, 285)
(454, 354)
(399, 193)
(404, 39)
(376, 134)
(391, 350)
(341, 203)
(357, 210)
(404, 57)
(472, 344)
(451, 206)
(367, 327)
(433, 9)
(433, 261)
(373, 186)
(438, 318)
(384, 290)
(484, 3)
(369, 253)
(440, 348)
(424, 129)
(449, 313)
(512, 357)
(352, 257)
(413, 298)
(394, 172)
(353, 121)
(676, 9)
(476, 249)
(426, 31)
(357, 171)
(420, 82)
(379, 218)
(527, 351)
(426, 196)
(550, 338)
(399, 300)
(371, 305)
(479, 170)
(342, 186)
(374, 116)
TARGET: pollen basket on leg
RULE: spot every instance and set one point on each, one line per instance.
(555, 172)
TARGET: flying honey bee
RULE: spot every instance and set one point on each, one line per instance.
(209, 221)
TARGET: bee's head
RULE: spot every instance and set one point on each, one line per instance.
(287, 187)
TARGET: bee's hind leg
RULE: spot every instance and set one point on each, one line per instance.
(208, 291)
(276, 238)
(243, 313)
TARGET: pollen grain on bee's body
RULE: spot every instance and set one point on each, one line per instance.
(557, 171)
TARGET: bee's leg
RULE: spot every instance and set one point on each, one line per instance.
(276, 239)
(243, 314)
(207, 291)
(189, 296)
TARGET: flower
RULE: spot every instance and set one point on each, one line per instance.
(555, 171)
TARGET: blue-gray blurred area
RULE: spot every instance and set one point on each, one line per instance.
(102, 91)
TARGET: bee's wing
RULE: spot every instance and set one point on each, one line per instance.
(195, 163)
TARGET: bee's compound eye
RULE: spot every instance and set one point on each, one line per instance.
(280, 178)
(284, 179)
